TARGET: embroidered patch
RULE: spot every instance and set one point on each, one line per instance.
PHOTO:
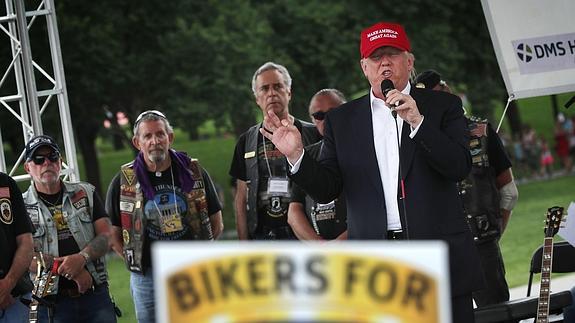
(126, 220)
(6, 211)
(5, 192)
(82, 203)
(129, 175)
(127, 190)
(79, 195)
(127, 206)
(126, 236)
(33, 213)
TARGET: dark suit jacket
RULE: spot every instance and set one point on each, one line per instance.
(432, 162)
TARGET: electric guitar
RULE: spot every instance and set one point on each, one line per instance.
(552, 222)
(43, 283)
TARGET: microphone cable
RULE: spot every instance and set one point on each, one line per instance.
(401, 182)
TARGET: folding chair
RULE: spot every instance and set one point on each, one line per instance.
(523, 308)
(563, 261)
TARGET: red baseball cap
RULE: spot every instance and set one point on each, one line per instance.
(383, 34)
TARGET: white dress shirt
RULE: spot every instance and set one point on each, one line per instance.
(387, 153)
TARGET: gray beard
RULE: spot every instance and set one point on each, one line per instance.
(157, 156)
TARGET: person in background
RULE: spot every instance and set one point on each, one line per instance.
(71, 227)
(161, 195)
(308, 219)
(263, 189)
(15, 254)
(365, 143)
(489, 194)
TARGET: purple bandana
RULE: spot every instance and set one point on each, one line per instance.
(179, 159)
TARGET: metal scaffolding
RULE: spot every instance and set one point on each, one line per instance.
(29, 102)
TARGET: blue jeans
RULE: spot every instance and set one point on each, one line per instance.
(15, 313)
(93, 306)
(142, 287)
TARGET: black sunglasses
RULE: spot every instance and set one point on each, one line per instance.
(319, 115)
(40, 159)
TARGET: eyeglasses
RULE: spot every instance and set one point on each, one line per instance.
(40, 159)
(148, 112)
(319, 115)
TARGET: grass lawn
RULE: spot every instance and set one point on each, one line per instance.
(525, 230)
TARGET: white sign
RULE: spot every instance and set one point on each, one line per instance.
(567, 232)
(296, 282)
(535, 45)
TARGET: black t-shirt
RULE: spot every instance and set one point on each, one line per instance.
(67, 245)
(328, 220)
(14, 221)
(498, 158)
(168, 196)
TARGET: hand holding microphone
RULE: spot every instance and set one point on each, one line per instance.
(401, 103)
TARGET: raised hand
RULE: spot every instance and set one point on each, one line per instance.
(285, 136)
(407, 110)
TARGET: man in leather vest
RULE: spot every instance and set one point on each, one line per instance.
(15, 254)
(71, 227)
(161, 195)
(489, 195)
(309, 219)
(263, 190)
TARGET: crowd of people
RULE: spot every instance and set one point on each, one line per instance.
(536, 157)
(400, 163)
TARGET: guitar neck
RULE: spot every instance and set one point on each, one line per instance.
(544, 290)
(33, 316)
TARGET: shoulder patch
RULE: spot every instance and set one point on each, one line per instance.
(5, 192)
(6, 215)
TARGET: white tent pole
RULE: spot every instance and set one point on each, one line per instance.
(509, 99)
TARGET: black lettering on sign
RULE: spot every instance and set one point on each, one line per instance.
(255, 275)
(284, 274)
(417, 287)
(227, 279)
(185, 294)
(382, 283)
(315, 268)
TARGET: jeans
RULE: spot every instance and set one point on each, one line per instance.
(94, 306)
(15, 313)
(496, 290)
(142, 287)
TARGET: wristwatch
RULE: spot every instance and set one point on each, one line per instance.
(85, 255)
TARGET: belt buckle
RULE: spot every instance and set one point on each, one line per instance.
(395, 234)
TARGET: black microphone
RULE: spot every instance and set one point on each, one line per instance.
(386, 86)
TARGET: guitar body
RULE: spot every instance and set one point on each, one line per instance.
(43, 283)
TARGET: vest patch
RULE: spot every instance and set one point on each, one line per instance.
(129, 175)
(127, 190)
(80, 199)
(127, 206)
(6, 211)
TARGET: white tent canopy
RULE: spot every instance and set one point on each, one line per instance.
(534, 42)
